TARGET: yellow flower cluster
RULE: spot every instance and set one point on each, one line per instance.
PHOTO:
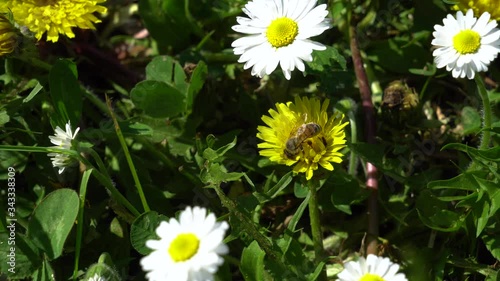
(479, 7)
(54, 16)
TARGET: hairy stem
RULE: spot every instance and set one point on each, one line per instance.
(317, 235)
(486, 135)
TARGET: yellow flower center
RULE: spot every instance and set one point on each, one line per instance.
(183, 247)
(371, 277)
(281, 32)
(467, 42)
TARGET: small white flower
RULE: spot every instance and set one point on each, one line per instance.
(466, 45)
(373, 268)
(278, 33)
(62, 140)
(189, 249)
(97, 277)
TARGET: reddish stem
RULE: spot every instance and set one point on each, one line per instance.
(370, 125)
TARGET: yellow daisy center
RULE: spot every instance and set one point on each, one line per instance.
(371, 277)
(467, 42)
(183, 247)
(282, 32)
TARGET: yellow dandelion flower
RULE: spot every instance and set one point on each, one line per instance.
(55, 16)
(302, 133)
(479, 7)
(8, 36)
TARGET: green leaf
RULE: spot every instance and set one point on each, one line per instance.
(428, 70)
(143, 229)
(103, 270)
(493, 192)
(166, 23)
(45, 273)
(492, 243)
(215, 155)
(52, 221)
(293, 224)
(166, 69)
(300, 190)
(252, 262)
(490, 154)
(196, 83)
(38, 87)
(217, 173)
(322, 60)
(314, 276)
(345, 192)
(65, 92)
(481, 209)
(433, 213)
(25, 258)
(4, 118)
(461, 182)
(157, 99)
(471, 120)
(280, 185)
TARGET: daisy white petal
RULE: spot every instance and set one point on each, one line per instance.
(275, 28)
(371, 268)
(189, 248)
(465, 44)
(62, 139)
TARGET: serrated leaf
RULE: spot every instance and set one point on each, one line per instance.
(216, 174)
(214, 155)
(324, 60)
(52, 221)
(143, 229)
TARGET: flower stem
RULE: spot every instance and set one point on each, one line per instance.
(317, 234)
(251, 229)
(486, 137)
(126, 152)
(79, 226)
(35, 62)
(370, 127)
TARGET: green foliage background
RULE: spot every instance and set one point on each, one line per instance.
(187, 114)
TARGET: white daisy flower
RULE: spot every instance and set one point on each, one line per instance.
(466, 45)
(278, 33)
(63, 140)
(97, 277)
(189, 249)
(373, 268)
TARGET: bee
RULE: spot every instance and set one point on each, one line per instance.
(294, 144)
